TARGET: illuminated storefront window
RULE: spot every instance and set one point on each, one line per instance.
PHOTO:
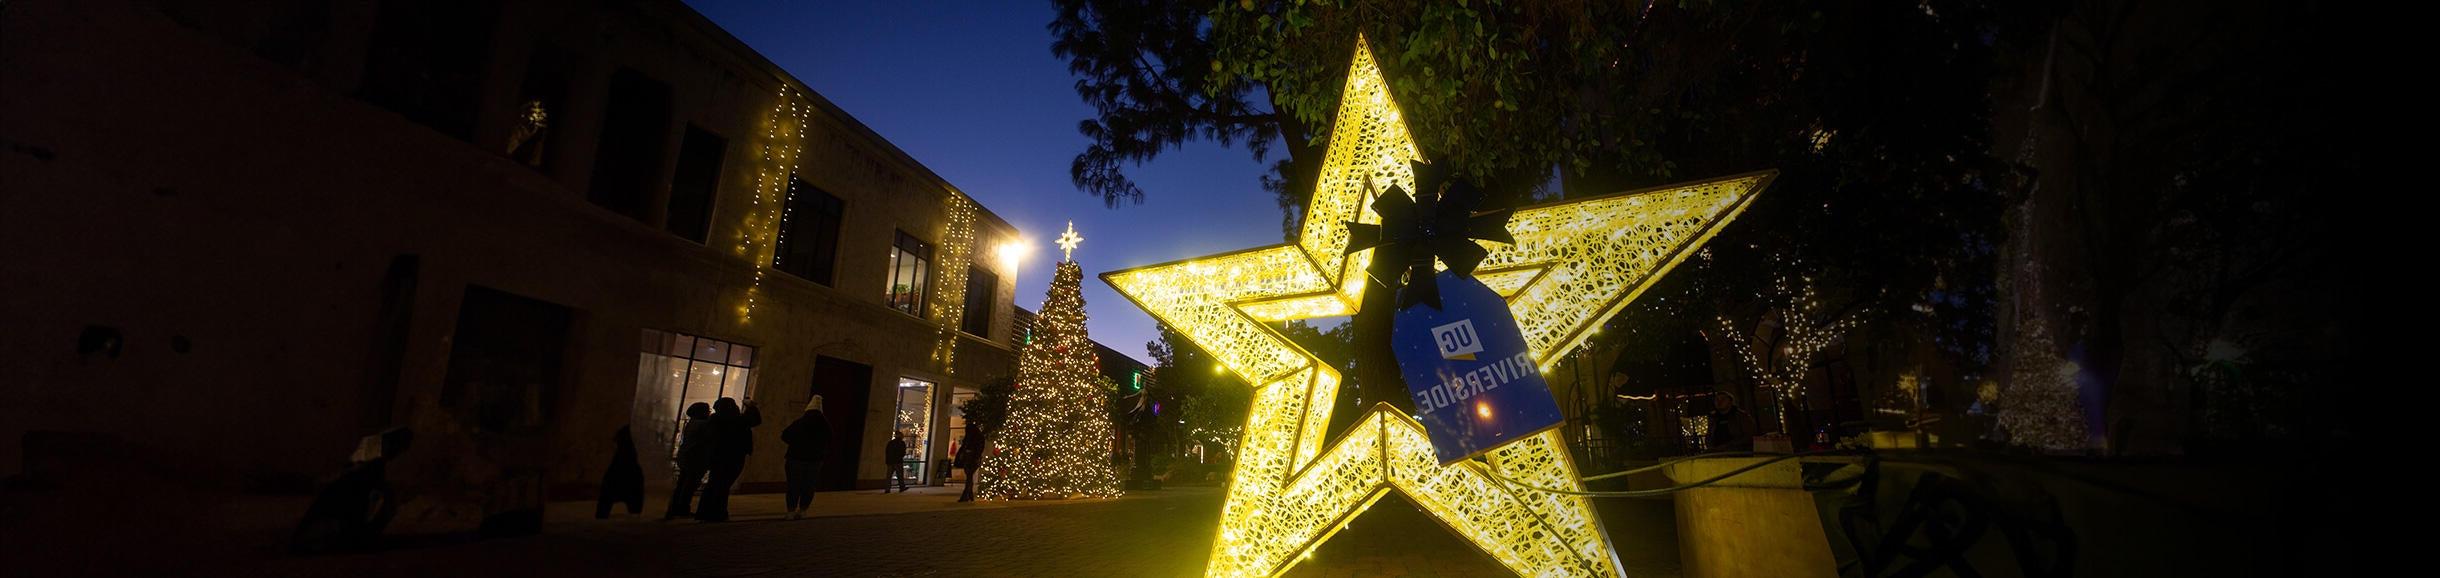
(910, 273)
(676, 370)
(914, 421)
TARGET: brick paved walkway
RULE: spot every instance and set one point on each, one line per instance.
(1161, 533)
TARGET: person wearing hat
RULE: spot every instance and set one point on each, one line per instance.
(807, 437)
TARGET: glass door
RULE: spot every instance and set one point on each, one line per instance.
(957, 431)
(914, 423)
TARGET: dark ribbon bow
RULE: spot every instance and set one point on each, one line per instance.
(1436, 222)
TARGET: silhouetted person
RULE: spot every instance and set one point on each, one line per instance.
(807, 437)
(732, 440)
(970, 458)
(896, 453)
(351, 510)
(694, 458)
(1727, 424)
(624, 482)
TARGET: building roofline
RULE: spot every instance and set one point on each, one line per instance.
(1021, 310)
(716, 33)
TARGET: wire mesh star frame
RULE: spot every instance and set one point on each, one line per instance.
(1574, 264)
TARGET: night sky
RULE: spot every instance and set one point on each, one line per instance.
(972, 90)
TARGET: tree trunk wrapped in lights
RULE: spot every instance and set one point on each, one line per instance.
(2041, 407)
(1056, 443)
(1802, 330)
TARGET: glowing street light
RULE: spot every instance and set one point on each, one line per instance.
(1011, 253)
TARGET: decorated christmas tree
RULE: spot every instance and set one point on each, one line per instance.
(1056, 441)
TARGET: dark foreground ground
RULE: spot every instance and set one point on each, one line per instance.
(1156, 533)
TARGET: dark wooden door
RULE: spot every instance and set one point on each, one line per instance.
(846, 388)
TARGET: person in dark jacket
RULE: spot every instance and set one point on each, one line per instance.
(1728, 422)
(624, 482)
(807, 437)
(352, 510)
(970, 458)
(896, 455)
(694, 458)
(732, 441)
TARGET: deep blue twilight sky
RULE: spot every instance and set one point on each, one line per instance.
(972, 91)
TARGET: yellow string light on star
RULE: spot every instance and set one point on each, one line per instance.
(1574, 264)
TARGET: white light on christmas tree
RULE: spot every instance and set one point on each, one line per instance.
(1068, 243)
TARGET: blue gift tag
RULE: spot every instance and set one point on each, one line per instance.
(1475, 385)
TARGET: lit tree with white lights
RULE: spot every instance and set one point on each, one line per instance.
(1056, 442)
(2041, 406)
(1794, 331)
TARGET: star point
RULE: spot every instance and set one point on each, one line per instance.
(1573, 264)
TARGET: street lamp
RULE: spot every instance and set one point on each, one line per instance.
(1012, 252)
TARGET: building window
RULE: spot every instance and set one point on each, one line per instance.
(1021, 328)
(677, 370)
(910, 270)
(426, 60)
(809, 232)
(693, 187)
(635, 126)
(544, 96)
(291, 33)
(982, 288)
(505, 361)
(530, 130)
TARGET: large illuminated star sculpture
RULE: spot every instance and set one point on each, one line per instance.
(1573, 265)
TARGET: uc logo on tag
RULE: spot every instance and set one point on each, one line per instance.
(1457, 340)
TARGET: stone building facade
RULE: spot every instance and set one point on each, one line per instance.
(243, 235)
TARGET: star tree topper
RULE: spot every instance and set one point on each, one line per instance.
(1068, 243)
(1573, 264)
